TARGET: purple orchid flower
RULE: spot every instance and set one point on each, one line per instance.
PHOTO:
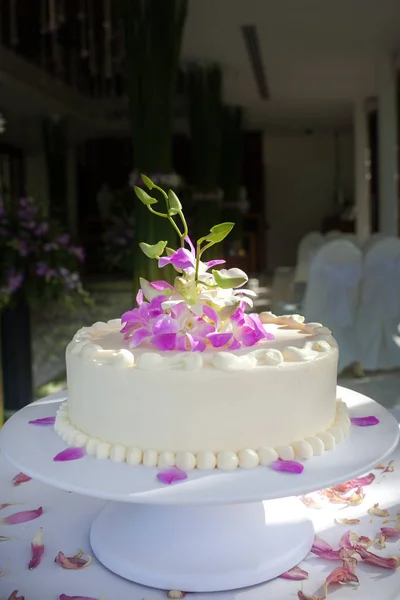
(185, 260)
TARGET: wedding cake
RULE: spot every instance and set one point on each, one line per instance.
(191, 378)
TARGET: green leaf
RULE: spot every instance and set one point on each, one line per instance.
(144, 197)
(169, 251)
(231, 278)
(174, 203)
(153, 251)
(219, 232)
(147, 181)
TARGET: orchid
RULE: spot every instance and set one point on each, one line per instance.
(202, 309)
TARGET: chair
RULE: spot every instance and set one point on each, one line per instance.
(332, 294)
(308, 246)
(378, 315)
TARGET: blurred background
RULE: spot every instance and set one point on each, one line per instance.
(280, 116)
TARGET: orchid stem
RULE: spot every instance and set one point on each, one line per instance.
(175, 226)
(157, 213)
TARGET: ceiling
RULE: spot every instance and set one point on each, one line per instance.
(319, 56)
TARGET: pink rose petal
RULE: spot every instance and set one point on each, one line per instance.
(324, 550)
(354, 483)
(391, 533)
(171, 475)
(72, 563)
(342, 576)
(37, 550)
(364, 421)
(43, 421)
(14, 596)
(69, 454)
(22, 517)
(287, 466)
(65, 597)
(21, 478)
(296, 574)
(392, 562)
(6, 504)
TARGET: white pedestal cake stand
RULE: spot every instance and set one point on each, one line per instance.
(214, 531)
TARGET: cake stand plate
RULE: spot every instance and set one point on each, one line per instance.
(214, 531)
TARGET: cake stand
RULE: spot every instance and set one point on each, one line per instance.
(214, 531)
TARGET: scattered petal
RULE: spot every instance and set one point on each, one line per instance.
(66, 597)
(69, 454)
(287, 466)
(14, 596)
(392, 562)
(389, 468)
(381, 541)
(324, 550)
(43, 421)
(356, 498)
(364, 421)
(354, 483)
(312, 502)
(342, 576)
(302, 596)
(21, 478)
(37, 550)
(171, 475)
(378, 512)
(22, 517)
(296, 574)
(176, 594)
(347, 521)
(391, 533)
(9, 504)
(333, 497)
(73, 562)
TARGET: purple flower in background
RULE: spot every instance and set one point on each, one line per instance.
(78, 252)
(15, 280)
(22, 247)
(42, 228)
(63, 239)
(43, 270)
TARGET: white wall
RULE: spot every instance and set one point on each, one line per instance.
(300, 186)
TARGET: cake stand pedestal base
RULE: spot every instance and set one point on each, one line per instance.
(202, 548)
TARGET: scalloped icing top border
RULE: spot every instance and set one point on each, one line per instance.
(84, 344)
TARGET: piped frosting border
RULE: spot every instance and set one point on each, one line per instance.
(225, 460)
(87, 344)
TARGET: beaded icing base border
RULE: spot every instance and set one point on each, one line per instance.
(225, 460)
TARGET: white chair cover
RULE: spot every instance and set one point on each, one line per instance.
(332, 294)
(351, 237)
(332, 235)
(307, 249)
(371, 241)
(379, 309)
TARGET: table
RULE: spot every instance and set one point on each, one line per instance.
(67, 518)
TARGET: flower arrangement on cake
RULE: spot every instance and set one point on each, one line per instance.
(204, 307)
(37, 259)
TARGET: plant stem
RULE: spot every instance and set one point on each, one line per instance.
(206, 247)
(157, 213)
(174, 225)
(185, 227)
(196, 272)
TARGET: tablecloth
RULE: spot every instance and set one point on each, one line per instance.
(66, 521)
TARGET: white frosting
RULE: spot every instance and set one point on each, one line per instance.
(86, 344)
(226, 460)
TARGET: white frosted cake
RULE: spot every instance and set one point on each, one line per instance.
(189, 378)
(204, 409)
